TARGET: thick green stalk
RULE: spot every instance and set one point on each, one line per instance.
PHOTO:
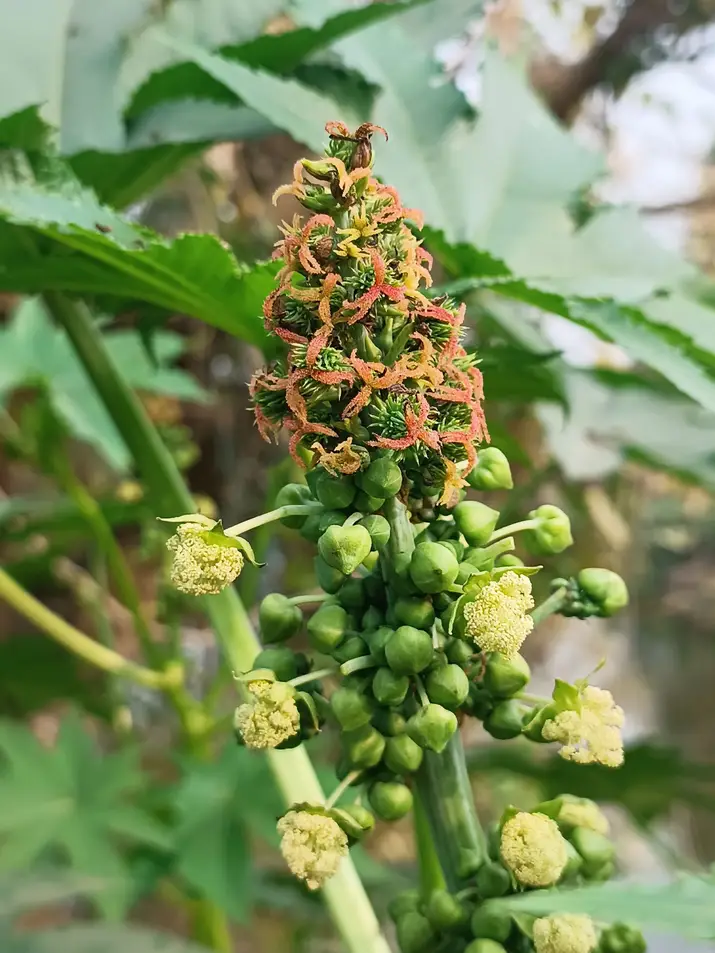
(431, 874)
(345, 895)
(446, 794)
(555, 603)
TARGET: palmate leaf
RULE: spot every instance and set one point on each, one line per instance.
(71, 802)
(685, 907)
(34, 352)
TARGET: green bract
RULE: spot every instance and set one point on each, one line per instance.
(278, 619)
(409, 650)
(433, 567)
(432, 727)
(344, 547)
(492, 471)
(382, 479)
(475, 521)
(390, 800)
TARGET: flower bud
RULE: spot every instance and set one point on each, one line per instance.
(389, 688)
(484, 946)
(595, 849)
(479, 703)
(414, 933)
(363, 821)
(205, 560)
(496, 617)
(432, 727)
(447, 686)
(505, 676)
(389, 722)
(492, 471)
(622, 938)
(350, 708)
(445, 912)
(317, 199)
(553, 533)
(327, 628)
(402, 755)
(279, 620)
(344, 547)
(475, 521)
(533, 849)
(334, 492)
(310, 528)
(383, 478)
(378, 528)
(280, 660)
(490, 924)
(569, 933)
(459, 652)
(415, 611)
(353, 647)
(269, 717)
(492, 880)
(454, 546)
(605, 588)
(390, 800)
(409, 651)
(352, 594)
(409, 901)
(372, 619)
(363, 747)
(293, 494)
(581, 812)
(509, 559)
(433, 568)
(377, 641)
(312, 845)
(367, 504)
(506, 719)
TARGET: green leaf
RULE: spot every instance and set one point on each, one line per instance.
(29, 890)
(65, 799)
(104, 937)
(685, 907)
(218, 806)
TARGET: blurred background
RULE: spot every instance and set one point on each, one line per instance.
(613, 433)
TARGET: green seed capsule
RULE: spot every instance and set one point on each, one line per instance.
(334, 492)
(375, 590)
(388, 688)
(352, 594)
(353, 647)
(484, 946)
(605, 588)
(492, 471)
(479, 703)
(280, 660)
(447, 686)
(459, 652)
(372, 619)
(310, 529)
(390, 800)
(534, 726)
(621, 938)
(504, 676)
(574, 863)
(383, 478)
(506, 719)
(293, 494)
(489, 925)
(364, 819)
(402, 755)
(278, 619)
(432, 727)
(377, 641)
(378, 528)
(371, 560)
(409, 650)
(445, 912)
(344, 547)
(509, 559)
(553, 533)
(415, 611)
(368, 504)
(329, 579)
(406, 902)
(595, 849)
(454, 546)
(414, 933)
(351, 708)
(363, 747)
(493, 880)
(389, 722)
(433, 568)
(476, 521)
(327, 628)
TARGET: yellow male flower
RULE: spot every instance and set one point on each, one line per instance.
(498, 618)
(204, 562)
(591, 735)
(313, 846)
(533, 849)
(570, 933)
(269, 717)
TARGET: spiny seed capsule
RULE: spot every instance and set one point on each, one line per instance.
(312, 845)
(475, 521)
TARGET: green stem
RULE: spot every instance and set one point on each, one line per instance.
(72, 639)
(358, 664)
(345, 895)
(401, 544)
(352, 519)
(556, 601)
(431, 874)
(210, 927)
(342, 788)
(512, 528)
(312, 676)
(446, 794)
(424, 697)
(289, 510)
(310, 598)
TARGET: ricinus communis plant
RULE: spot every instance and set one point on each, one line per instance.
(424, 606)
